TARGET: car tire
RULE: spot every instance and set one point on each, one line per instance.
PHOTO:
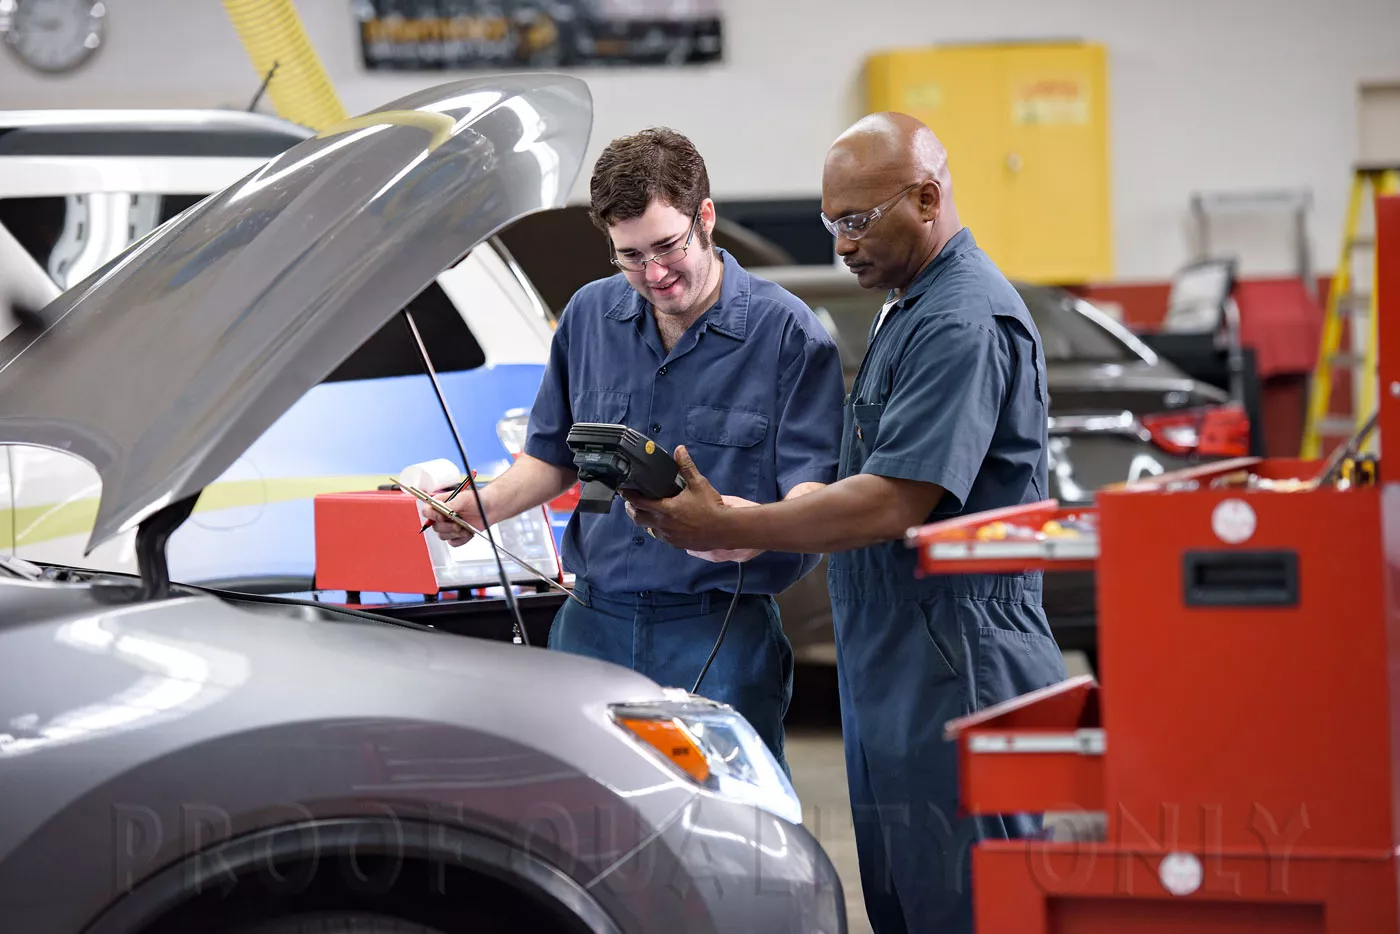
(335, 922)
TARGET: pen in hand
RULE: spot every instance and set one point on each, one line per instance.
(429, 524)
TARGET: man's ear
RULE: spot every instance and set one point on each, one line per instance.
(930, 200)
(708, 217)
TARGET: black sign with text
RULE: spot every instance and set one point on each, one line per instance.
(436, 35)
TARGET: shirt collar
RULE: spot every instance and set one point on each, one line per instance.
(960, 243)
(729, 315)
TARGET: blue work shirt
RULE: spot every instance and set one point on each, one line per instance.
(952, 391)
(753, 389)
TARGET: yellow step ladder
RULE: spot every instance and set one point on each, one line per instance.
(1345, 303)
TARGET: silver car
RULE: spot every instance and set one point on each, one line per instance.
(174, 758)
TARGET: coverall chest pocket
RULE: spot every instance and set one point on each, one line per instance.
(608, 406)
(865, 431)
(726, 445)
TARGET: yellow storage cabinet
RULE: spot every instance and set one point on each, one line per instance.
(1026, 126)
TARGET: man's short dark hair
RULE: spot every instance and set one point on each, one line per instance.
(655, 164)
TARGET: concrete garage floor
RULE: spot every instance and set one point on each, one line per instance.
(819, 774)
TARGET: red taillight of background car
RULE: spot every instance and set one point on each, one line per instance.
(568, 502)
(1220, 431)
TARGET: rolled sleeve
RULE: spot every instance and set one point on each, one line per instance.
(937, 424)
(810, 390)
(552, 416)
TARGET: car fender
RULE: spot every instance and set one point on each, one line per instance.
(138, 735)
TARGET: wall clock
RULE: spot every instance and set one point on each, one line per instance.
(53, 36)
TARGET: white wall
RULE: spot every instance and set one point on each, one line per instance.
(1205, 95)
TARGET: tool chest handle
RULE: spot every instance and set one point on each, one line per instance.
(1240, 578)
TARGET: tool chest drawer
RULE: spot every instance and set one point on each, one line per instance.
(1043, 751)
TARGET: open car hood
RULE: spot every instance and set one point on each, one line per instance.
(163, 366)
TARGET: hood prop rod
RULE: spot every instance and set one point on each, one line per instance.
(520, 637)
(152, 536)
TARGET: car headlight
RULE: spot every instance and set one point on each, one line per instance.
(712, 746)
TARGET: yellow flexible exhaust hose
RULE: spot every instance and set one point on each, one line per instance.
(272, 33)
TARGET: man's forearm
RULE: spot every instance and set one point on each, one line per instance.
(852, 513)
(802, 489)
(528, 483)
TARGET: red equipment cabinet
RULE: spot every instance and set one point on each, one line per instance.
(370, 541)
(1244, 750)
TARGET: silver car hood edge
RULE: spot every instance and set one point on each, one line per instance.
(165, 365)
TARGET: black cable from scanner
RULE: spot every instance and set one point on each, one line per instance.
(738, 589)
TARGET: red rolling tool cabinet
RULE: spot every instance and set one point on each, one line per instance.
(1244, 747)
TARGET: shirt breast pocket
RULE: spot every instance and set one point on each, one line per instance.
(866, 416)
(605, 406)
(726, 444)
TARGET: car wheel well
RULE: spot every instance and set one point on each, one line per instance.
(452, 899)
(426, 872)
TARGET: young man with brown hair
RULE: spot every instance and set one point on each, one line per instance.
(686, 347)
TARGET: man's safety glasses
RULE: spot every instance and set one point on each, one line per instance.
(855, 226)
(668, 258)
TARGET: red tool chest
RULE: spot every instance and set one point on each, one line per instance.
(1244, 746)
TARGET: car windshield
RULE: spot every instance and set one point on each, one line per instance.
(1068, 334)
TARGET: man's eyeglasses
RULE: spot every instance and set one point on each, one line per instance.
(855, 226)
(667, 258)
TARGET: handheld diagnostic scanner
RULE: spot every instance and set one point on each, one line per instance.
(614, 457)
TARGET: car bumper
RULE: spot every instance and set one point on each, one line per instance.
(720, 866)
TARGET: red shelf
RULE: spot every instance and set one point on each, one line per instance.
(964, 546)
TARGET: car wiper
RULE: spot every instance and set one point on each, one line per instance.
(24, 570)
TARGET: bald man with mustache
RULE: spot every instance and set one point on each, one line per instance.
(948, 416)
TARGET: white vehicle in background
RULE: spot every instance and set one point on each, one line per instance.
(77, 187)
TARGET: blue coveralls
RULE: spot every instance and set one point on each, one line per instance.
(951, 392)
(753, 390)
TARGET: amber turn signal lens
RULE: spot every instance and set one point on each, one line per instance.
(671, 740)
